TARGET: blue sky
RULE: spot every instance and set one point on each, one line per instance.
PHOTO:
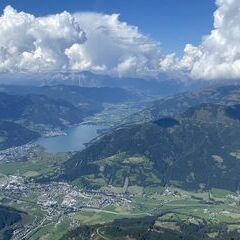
(171, 22)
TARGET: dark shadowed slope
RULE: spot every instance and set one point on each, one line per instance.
(37, 109)
(8, 217)
(13, 135)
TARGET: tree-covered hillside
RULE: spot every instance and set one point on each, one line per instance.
(170, 106)
(198, 149)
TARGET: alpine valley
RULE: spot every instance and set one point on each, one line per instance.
(120, 120)
(163, 167)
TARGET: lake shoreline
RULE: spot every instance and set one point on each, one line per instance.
(75, 138)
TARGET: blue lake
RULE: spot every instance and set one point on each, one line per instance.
(74, 140)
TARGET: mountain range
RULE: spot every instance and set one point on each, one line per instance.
(27, 112)
(161, 86)
(172, 105)
(197, 148)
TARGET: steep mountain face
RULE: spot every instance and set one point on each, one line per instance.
(12, 135)
(197, 149)
(170, 106)
(8, 217)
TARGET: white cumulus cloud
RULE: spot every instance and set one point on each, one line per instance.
(75, 42)
(33, 44)
(114, 47)
(218, 56)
